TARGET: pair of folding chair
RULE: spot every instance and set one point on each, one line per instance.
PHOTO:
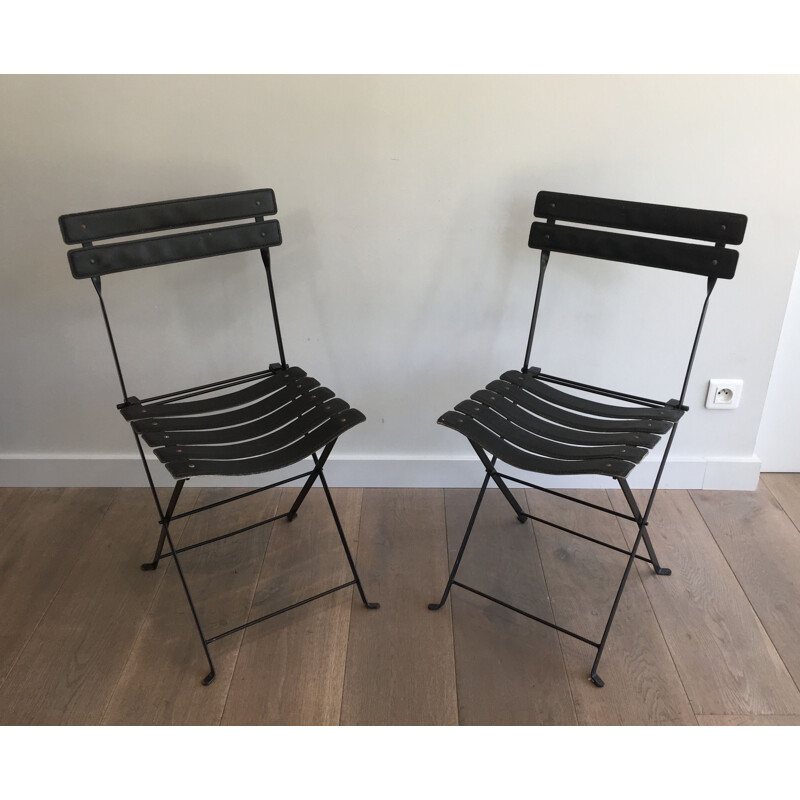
(278, 417)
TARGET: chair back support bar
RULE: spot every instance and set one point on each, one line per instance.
(712, 261)
(104, 259)
(110, 223)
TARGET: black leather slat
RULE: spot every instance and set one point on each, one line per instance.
(696, 259)
(285, 457)
(210, 404)
(572, 420)
(519, 416)
(585, 406)
(248, 430)
(228, 418)
(89, 262)
(518, 458)
(107, 223)
(538, 445)
(262, 445)
(685, 223)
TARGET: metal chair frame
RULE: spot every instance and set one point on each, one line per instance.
(294, 417)
(496, 428)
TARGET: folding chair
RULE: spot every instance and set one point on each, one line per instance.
(275, 418)
(523, 420)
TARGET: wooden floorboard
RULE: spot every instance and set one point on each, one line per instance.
(509, 669)
(642, 685)
(400, 665)
(762, 547)
(161, 682)
(725, 659)
(748, 720)
(86, 637)
(785, 487)
(290, 669)
(69, 668)
(42, 540)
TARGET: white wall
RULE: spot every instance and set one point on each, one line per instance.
(405, 282)
(778, 443)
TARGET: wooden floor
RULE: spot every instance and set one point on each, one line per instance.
(87, 638)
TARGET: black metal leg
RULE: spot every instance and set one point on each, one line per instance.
(626, 490)
(437, 606)
(595, 678)
(165, 537)
(344, 543)
(319, 463)
(212, 674)
(501, 485)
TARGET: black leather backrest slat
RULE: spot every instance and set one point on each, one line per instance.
(89, 262)
(697, 259)
(685, 223)
(109, 223)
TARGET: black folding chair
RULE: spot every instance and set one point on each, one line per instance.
(524, 421)
(276, 418)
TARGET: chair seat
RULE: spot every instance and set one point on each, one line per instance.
(530, 425)
(271, 424)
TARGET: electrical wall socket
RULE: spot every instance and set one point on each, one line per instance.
(724, 393)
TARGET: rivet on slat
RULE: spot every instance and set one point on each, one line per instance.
(715, 262)
(91, 261)
(258, 202)
(724, 227)
(552, 205)
(179, 450)
(83, 227)
(263, 235)
(191, 466)
(327, 408)
(166, 436)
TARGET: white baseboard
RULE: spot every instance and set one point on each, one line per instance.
(399, 472)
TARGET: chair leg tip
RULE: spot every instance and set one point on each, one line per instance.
(434, 606)
(663, 571)
(372, 605)
(290, 517)
(522, 518)
(597, 680)
(209, 678)
(149, 566)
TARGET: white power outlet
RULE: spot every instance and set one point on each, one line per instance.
(724, 393)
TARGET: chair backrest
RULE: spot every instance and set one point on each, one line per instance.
(712, 261)
(663, 248)
(137, 249)
(92, 260)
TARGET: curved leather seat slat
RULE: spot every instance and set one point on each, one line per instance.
(219, 403)
(227, 418)
(518, 415)
(262, 445)
(572, 419)
(531, 442)
(247, 430)
(546, 392)
(284, 457)
(532, 463)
